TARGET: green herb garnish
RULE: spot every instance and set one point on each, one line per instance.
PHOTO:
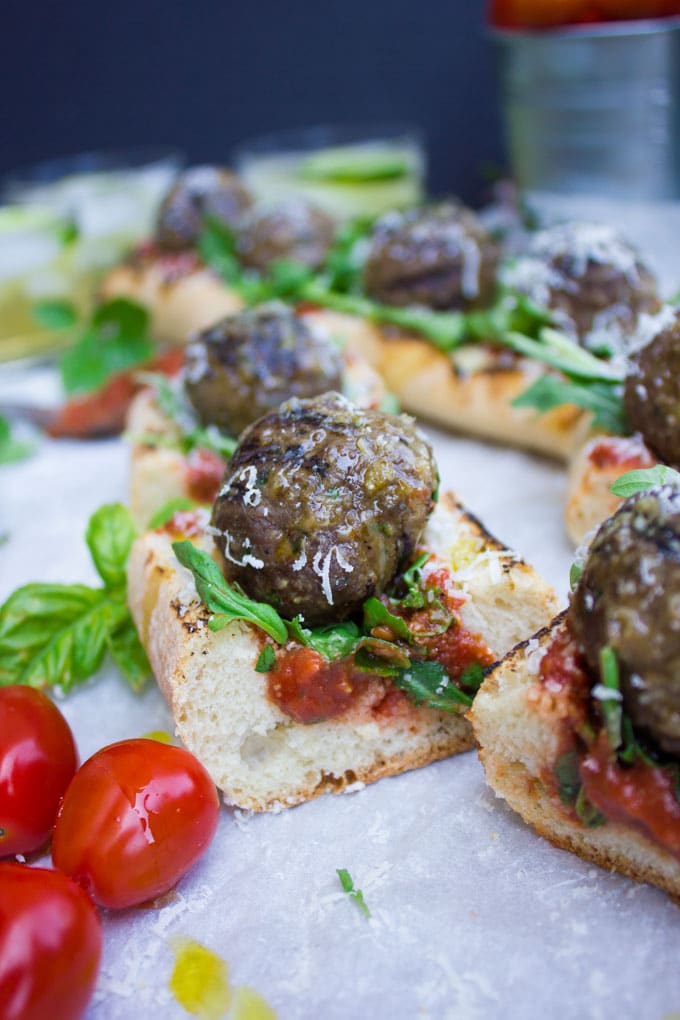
(334, 641)
(610, 698)
(376, 614)
(603, 399)
(587, 812)
(427, 683)
(568, 777)
(225, 601)
(575, 571)
(117, 338)
(11, 449)
(643, 479)
(57, 635)
(190, 436)
(166, 512)
(347, 884)
(266, 660)
(55, 314)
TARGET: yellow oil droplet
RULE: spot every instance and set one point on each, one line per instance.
(162, 736)
(200, 980)
(248, 1005)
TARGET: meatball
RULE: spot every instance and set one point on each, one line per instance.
(652, 391)
(590, 277)
(323, 504)
(294, 230)
(199, 192)
(248, 363)
(628, 597)
(439, 256)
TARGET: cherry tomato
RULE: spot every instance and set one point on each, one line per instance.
(50, 945)
(38, 758)
(135, 818)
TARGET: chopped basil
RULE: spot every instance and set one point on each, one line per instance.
(266, 660)
(116, 338)
(166, 512)
(610, 698)
(225, 601)
(347, 884)
(378, 615)
(575, 571)
(643, 479)
(414, 598)
(333, 642)
(54, 314)
(604, 399)
(587, 812)
(427, 683)
(472, 677)
(568, 777)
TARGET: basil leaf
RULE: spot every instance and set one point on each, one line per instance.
(587, 812)
(53, 635)
(223, 599)
(610, 703)
(603, 399)
(558, 351)
(427, 683)
(414, 598)
(347, 883)
(109, 536)
(333, 642)
(128, 653)
(377, 615)
(117, 338)
(166, 512)
(575, 571)
(472, 677)
(11, 449)
(217, 247)
(373, 655)
(568, 777)
(54, 314)
(643, 479)
(266, 660)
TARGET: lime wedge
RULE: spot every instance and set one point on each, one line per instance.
(354, 165)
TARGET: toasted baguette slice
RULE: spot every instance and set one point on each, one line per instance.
(519, 741)
(594, 468)
(162, 473)
(256, 754)
(181, 301)
(471, 391)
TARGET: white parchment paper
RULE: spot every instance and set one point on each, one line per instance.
(473, 915)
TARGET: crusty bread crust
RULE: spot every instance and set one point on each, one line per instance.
(257, 755)
(179, 305)
(589, 497)
(159, 474)
(518, 742)
(477, 401)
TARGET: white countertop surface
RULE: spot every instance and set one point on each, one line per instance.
(473, 915)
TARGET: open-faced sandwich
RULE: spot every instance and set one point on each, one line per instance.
(238, 369)
(579, 727)
(650, 403)
(330, 622)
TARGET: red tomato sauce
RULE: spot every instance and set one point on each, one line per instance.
(640, 795)
(103, 413)
(309, 688)
(205, 471)
(628, 454)
(185, 524)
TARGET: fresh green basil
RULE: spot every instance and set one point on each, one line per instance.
(568, 777)
(57, 635)
(610, 699)
(333, 642)
(347, 883)
(427, 683)
(644, 479)
(223, 600)
(376, 614)
(116, 338)
(11, 449)
(54, 314)
(603, 399)
(266, 660)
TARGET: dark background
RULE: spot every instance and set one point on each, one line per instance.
(202, 75)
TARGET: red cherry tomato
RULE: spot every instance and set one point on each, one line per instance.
(135, 818)
(50, 945)
(38, 758)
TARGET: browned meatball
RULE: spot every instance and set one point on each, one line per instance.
(322, 505)
(590, 277)
(652, 392)
(200, 192)
(248, 363)
(628, 598)
(439, 256)
(294, 231)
